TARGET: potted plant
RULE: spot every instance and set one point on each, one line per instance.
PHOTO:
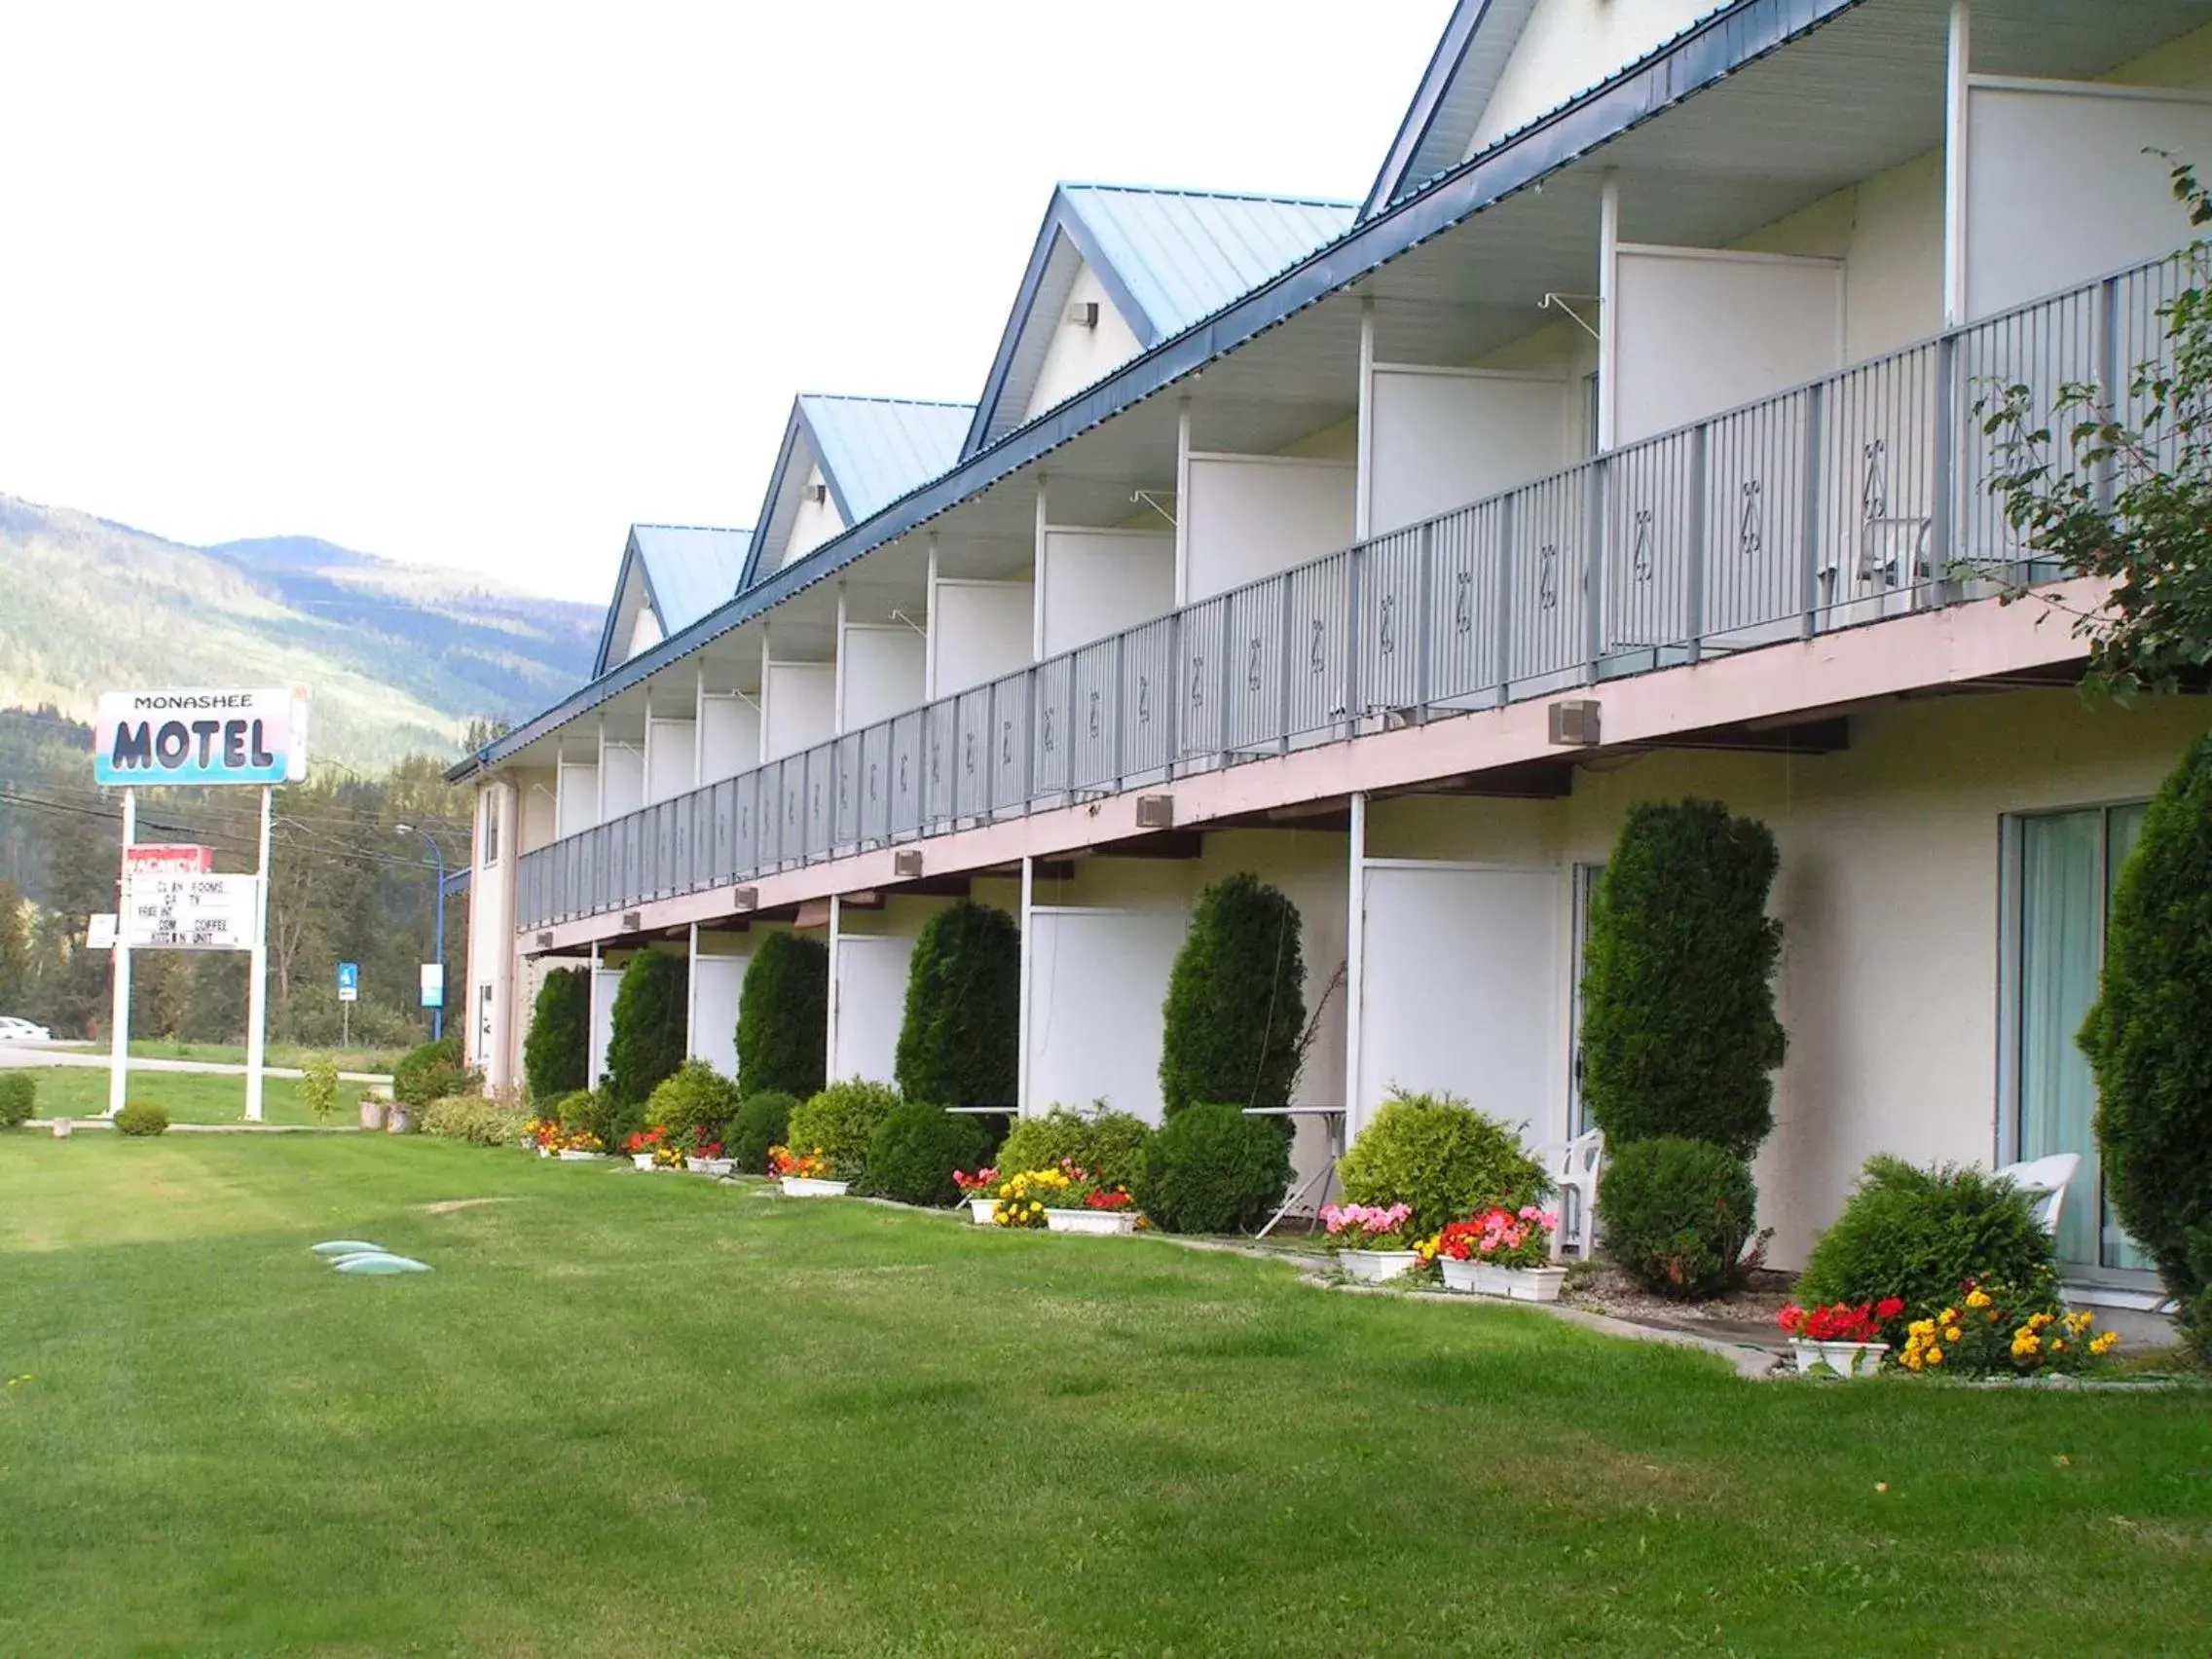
(980, 1191)
(1067, 1198)
(1373, 1242)
(1845, 1337)
(804, 1175)
(578, 1146)
(706, 1157)
(1500, 1252)
(541, 1133)
(372, 1110)
(652, 1149)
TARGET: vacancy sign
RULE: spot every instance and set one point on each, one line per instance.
(168, 859)
(190, 912)
(174, 738)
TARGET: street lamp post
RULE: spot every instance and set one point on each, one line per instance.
(437, 853)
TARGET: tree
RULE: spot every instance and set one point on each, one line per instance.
(2149, 1045)
(960, 1043)
(556, 1053)
(782, 1018)
(1235, 1003)
(15, 946)
(1678, 1029)
(650, 1026)
(2126, 501)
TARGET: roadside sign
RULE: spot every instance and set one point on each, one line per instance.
(195, 737)
(191, 912)
(433, 984)
(349, 981)
(99, 932)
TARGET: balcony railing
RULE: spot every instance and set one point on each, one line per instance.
(1856, 498)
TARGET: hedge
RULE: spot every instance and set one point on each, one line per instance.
(556, 1053)
(782, 1018)
(1236, 1008)
(651, 1026)
(960, 1043)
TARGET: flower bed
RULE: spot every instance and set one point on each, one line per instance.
(1500, 1252)
(654, 1149)
(1068, 1199)
(805, 1174)
(1371, 1242)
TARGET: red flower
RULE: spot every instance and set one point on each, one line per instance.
(1888, 1307)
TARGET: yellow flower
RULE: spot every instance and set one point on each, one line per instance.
(1935, 1356)
(1977, 1298)
(1951, 1333)
(2104, 1341)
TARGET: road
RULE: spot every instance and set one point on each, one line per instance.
(43, 1055)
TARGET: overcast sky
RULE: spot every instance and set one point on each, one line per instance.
(481, 286)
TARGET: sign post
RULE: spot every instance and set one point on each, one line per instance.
(349, 993)
(172, 899)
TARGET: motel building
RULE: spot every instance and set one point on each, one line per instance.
(1619, 446)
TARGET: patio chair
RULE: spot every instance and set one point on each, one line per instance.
(2045, 1179)
(1572, 1167)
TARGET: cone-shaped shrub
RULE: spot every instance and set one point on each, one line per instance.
(782, 1018)
(763, 1120)
(913, 1152)
(1236, 1001)
(2150, 1044)
(841, 1121)
(556, 1053)
(650, 1020)
(1212, 1170)
(960, 1044)
(1678, 1030)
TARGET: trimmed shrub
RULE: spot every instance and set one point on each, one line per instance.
(1678, 1030)
(142, 1117)
(1236, 1008)
(1114, 1146)
(2150, 1047)
(961, 1040)
(318, 1087)
(763, 1120)
(1212, 1170)
(433, 1071)
(1917, 1233)
(695, 1104)
(839, 1123)
(19, 1098)
(782, 1018)
(556, 1053)
(1443, 1157)
(914, 1151)
(1678, 1214)
(598, 1112)
(474, 1118)
(650, 1028)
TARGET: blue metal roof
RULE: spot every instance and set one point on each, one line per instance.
(873, 450)
(1166, 257)
(687, 570)
(1700, 58)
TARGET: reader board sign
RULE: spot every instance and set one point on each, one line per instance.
(169, 859)
(195, 737)
(190, 912)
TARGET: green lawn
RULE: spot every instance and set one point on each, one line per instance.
(192, 1097)
(353, 1059)
(635, 1415)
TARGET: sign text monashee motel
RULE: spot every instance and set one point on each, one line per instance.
(161, 738)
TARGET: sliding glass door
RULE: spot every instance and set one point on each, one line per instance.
(2067, 866)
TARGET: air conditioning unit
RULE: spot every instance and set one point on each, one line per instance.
(906, 865)
(633, 920)
(545, 942)
(1156, 812)
(1574, 722)
(745, 898)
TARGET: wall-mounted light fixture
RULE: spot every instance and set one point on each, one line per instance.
(1083, 314)
(817, 492)
(745, 898)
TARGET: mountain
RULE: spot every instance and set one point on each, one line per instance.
(398, 658)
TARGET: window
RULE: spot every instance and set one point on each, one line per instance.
(2063, 869)
(490, 828)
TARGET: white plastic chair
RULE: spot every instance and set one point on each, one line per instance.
(1573, 1167)
(2045, 1179)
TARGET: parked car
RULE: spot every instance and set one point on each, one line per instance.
(12, 1030)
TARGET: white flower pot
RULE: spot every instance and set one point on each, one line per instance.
(1845, 1359)
(397, 1120)
(708, 1165)
(812, 1187)
(1376, 1266)
(372, 1114)
(544, 1151)
(571, 1155)
(979, 1210)
(1514, 1284)
(641, 1159)
(1090, 1221)
(63, 1128)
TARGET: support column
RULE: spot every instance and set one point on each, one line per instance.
(1363, 496)
(1028, 978)
(1183, 504)
(257, 983)
(599, 776)
(692, 994)
(929, 638)
(1355, 964)
(1608, 331)
(1036, 587)
(1958, 63)
(829, 1024)
(837, 670)
(119, 964)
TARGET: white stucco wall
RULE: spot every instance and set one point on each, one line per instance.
(814, 522)
(1441, 438)
(718, 976)
(881, 665)
(486, 1024)
(1889, 895)
(672, 758)
(578, 789)
(622, 779)
(978, 631)
(536, 822)
(1245, 516)
(1569, 45)
(1078, 356)
(729, 737)
(1097, 582)
(1887, 229)
(800, 703)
